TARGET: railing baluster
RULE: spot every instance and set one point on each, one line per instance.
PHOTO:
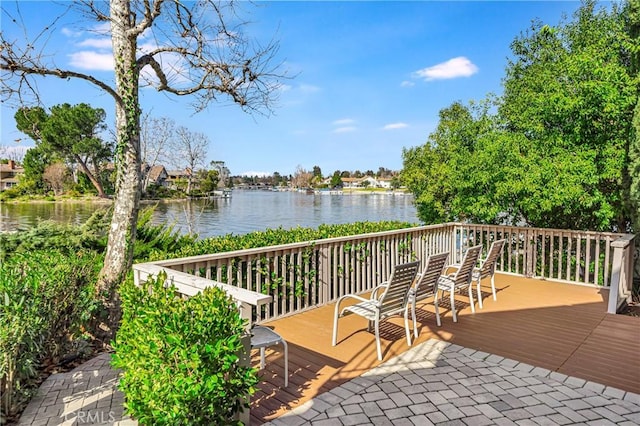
(307, 274)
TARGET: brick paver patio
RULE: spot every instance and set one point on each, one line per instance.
(440, 383)
(87, 395)
(433, 383)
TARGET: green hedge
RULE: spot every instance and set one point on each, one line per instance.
(46, 301)
(276, 236)
(180, 357)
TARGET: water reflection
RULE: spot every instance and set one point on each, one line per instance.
(23, 215)
(244, 212)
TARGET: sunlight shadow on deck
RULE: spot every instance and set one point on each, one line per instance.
(560, 327)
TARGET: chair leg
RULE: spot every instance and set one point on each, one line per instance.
(435, 304)
(406, 324)
(377, 327)
(286, 363)
(453, 305)
(471, 301)
(493, 288)
(479, 294)
(334, 340)
(415, 322)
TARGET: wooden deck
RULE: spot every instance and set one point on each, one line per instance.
(561, 327)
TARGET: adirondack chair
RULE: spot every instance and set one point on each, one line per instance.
(461, 279)
(427, 285)
(387, 299)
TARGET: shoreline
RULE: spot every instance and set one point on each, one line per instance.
(107, 201)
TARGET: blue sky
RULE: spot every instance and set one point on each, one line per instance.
(369, 77)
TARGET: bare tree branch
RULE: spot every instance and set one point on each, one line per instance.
(185, 48)
(8, 64)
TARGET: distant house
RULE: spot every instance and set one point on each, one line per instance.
(372, 182)
(157, 175)
(9, 175)
(351, 182)
(384, 182)
(177, 179)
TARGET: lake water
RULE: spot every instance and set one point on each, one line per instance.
(245, 211)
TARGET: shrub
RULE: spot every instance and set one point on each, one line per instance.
(46, 301)
(270, 237)
(180, 357)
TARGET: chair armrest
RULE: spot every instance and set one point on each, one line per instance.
(376, 289)
(352, 296)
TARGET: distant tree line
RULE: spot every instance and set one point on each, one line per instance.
(303, 178)
(71, 156)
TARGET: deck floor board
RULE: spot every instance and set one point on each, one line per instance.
(558, 326)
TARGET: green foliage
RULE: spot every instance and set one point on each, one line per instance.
(46, 301)
(181, 358)
(69, 132)
(11, 193)
(277, 236)
(208, 180)
(157, 239)
(336, 180)
(551, 152)
(48, 235)
(35, 162)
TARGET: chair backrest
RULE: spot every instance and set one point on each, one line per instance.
(489, 264)
(395, 296)
(427, 283)
(463, 275)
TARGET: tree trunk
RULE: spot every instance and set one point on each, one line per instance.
(96, 183)
(122, 231)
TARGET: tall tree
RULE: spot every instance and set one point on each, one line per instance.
(71, 132)
(35, 162)
(556, 153)
(571, 91)
(224, 173)
(301, 178)
(633, 13)
(156, 137)
(191, 150)
(210, 57)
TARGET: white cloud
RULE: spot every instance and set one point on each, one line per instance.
(394, 126)
(407, 84)
(345, 129)
(92, 60)
(103, 28)
(98, 43)
(343, 122)
(308, 88)
(67, 32)
(453, 68)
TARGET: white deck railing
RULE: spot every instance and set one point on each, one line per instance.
(281, 280)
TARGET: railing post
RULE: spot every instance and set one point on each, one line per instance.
(324, 275)
(621, 273)
(245, 355)
(530, 253)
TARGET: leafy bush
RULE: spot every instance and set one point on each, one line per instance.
(46, 301)
(92, 235)
(180, 357)
(270, 237)
(159, 239)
